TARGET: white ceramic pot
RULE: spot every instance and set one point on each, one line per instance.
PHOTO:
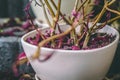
(72, 64)
(66, 8)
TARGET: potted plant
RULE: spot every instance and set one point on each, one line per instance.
(74, 46)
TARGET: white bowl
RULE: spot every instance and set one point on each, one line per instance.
(72, 65)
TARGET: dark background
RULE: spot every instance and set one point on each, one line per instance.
(13, 8)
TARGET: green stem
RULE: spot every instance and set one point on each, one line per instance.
(81, 29)
(75, 8)
(44, 10)
(37, 53)
(50, 8)
(82, 5)
(73, 36)
(65, 19)
(113, 11)
(98, 18)
(55, 20)
(85, 44)
(76, 4)
(111, 2)
(113, 19)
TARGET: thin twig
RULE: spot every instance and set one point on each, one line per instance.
(57, 14)
(114, 11)
(50, 8)
(82, 5)
(37, 53)
(76, 4)
(113, 19)
(111, 2)
(99, 17)
(64, 18)
(44, 10)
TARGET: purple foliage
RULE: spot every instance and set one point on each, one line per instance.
(34, 40)
(75, 48)
(97, 40)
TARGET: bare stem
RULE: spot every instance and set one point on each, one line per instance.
(37, 53)
(107, 22)
(111, 2)
(73, 33)
(98, 18)
(114, 11)
(81, 37)
(76, 4)
(113, 19)
(56, 18)
(75, 8)
(82, 5)
(85, 44)
(88, 6)
(50, 8)
(46, 16)
(65, 19)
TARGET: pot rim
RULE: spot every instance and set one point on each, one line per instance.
(62, 50)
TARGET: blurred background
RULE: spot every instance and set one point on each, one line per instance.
(13, 8)
(13, 24)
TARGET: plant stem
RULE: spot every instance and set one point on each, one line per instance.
(83, 13)
(73, 36)
(113, 19)
(111, 2)
(81, 37)
(98, 18)
(111, 10)
(44, 10)
(65, 19)
(76, 4)
(55, 20)
(86, 40)
(103, 24)
(37, 53)
(91, 29)
(88, 6)
(81, 29)
(82, 5)
(50, 8)
(75, 8)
